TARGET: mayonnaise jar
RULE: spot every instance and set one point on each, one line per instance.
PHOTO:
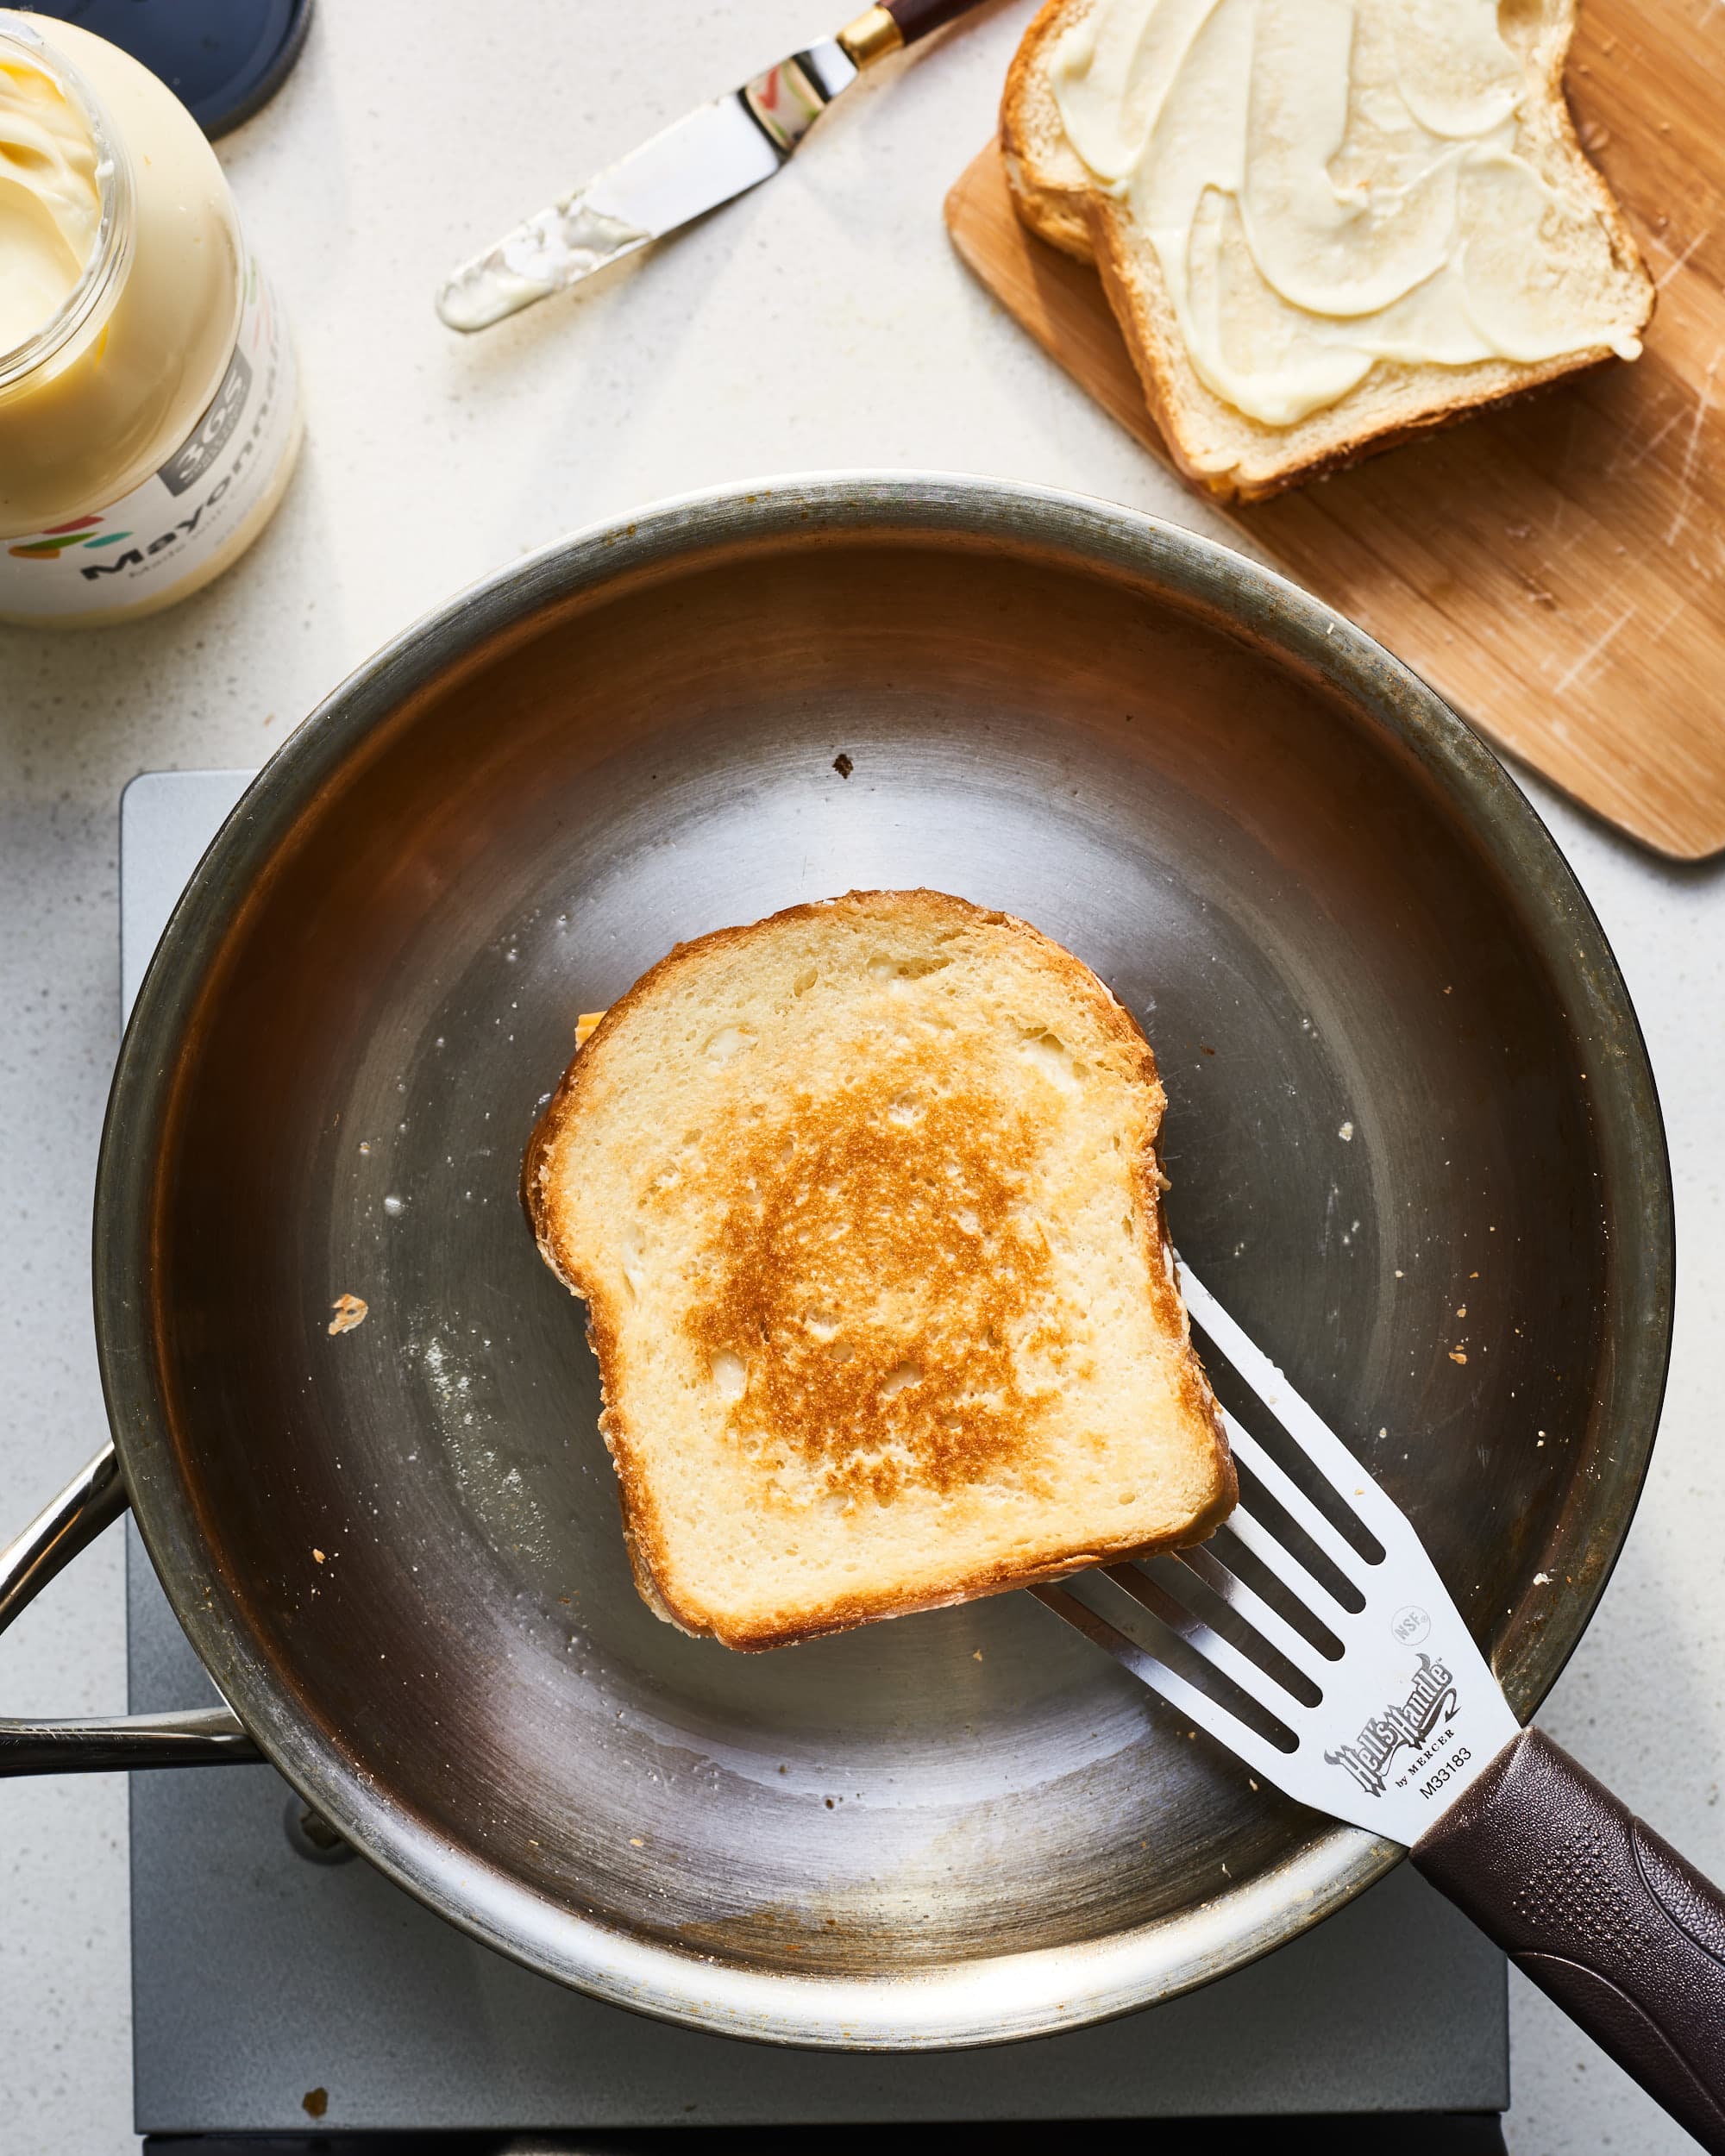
(149, 409)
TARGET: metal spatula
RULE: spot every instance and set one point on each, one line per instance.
(1364, 1696)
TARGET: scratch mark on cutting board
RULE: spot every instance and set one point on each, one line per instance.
(1677, 261)
(1643, 450)
(1704, 404)
(1572, 438)
(1597, 648)
(1602, 600)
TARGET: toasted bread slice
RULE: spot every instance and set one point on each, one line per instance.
(1582, 251)
(864, 1205)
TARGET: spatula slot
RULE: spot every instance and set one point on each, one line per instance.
(1189, 1591)
(1279, 1523)
(1229, 1555)
(1257, 1414)
(1132, 1616)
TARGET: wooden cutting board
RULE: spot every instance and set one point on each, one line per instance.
(1556, 569)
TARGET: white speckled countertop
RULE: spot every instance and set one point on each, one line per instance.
(823, 321)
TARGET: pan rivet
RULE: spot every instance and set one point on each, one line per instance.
(311, 1836)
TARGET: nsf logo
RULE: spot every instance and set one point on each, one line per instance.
(1411, 1625)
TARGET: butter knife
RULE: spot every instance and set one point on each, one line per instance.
(716, 152)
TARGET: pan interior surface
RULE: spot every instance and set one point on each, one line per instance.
(398, 1546)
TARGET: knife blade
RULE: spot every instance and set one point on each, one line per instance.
(711, 155)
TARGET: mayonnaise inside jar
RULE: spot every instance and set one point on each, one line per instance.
(50, 198)
(149, 411)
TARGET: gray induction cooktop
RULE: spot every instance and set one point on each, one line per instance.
(281, 1987)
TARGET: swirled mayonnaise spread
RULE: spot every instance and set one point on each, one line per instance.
(50, 200)
(1331, 183)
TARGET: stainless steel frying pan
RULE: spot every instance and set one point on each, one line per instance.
(1405, 1080)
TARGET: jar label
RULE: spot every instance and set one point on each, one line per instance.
(189, 511)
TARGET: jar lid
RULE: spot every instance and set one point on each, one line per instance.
(221, 59)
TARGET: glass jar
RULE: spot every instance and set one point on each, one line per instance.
(150, 418)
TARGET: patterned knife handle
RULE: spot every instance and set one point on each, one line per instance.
(1604, 1916)
(896, 23)
(916, 18)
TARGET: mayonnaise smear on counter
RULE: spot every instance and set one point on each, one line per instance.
(1331, 183)
(50, 198)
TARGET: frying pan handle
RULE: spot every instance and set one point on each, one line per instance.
(204, 1736)
(1604, 1916)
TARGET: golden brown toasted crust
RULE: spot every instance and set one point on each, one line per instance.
(942, 1438)
(1097, 227)
(970, 1414)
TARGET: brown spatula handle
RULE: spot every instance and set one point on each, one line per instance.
(916, 18)
(1606, 1918)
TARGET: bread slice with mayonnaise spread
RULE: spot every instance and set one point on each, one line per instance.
(864, 1203)
(1325, 226)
